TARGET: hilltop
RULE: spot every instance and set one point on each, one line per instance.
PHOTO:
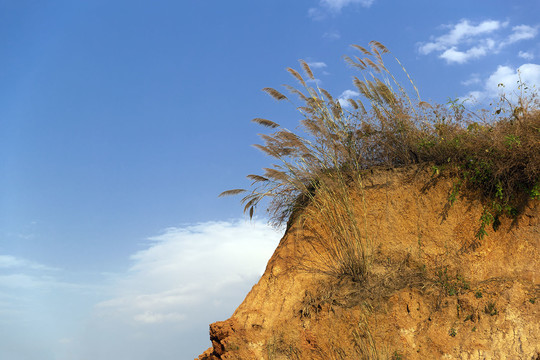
(412, 228)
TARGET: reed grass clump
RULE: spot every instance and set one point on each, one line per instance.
(336, 227)
(496, 153)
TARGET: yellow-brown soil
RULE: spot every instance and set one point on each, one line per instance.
(434, 291)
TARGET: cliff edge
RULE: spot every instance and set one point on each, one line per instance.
(434, 289)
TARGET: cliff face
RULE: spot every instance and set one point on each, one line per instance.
(434, 290)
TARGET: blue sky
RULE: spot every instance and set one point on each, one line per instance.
(121, 122)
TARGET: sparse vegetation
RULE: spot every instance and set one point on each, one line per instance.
(278, 348)
(451, 285)
(491, 309)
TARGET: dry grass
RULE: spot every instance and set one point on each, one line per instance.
(496, 153)
(335, 228)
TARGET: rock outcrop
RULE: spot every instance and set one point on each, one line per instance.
(434, 290)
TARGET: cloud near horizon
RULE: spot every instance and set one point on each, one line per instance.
(465, 41)
(19, 273)
(509, 77)
(187, 265)
(183, 280)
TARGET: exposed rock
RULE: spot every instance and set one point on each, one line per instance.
(434, 290)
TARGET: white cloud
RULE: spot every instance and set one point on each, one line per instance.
(453, 55)
(316, 65)
(510, 78)
(185, 266)
(527, 73)
(526, 55)
(459, 33)
(347, 94)
(466, 41)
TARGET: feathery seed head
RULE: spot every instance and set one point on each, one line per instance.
(231, 192)
(327, 95)
(265, 122)
(296, 75)
(353, 103)
(274, 93)
(307, 69)
(378, 45)
(295, 91)
(362, 49)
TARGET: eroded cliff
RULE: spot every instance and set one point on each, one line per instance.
(434, 290)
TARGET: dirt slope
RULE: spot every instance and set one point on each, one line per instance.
(434, 291)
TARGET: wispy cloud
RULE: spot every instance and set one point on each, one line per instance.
(316, 14)
(334, 7)
(521, 32)
(332, 35)
(337, 5)
(19, 273)
(465, 40)
(317, 65)
(472, 80)
(526, 55)
(14, 262)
